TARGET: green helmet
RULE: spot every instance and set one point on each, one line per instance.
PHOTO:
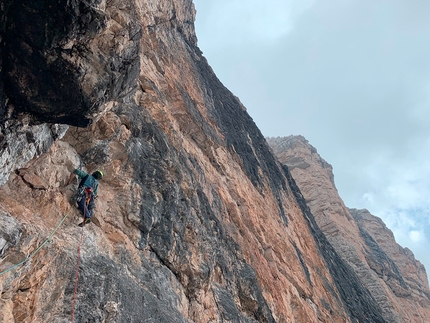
(98, 174)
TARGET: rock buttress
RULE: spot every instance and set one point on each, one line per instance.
(394, 278)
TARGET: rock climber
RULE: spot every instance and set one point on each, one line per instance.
(87, 192)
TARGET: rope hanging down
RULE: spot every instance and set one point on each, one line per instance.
(38, 249)
(79, 259)
(77, 273)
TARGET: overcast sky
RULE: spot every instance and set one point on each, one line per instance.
(353, 77)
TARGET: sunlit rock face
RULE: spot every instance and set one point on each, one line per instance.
(196, 220)
(397, 281)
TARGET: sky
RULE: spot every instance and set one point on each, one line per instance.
(352, 77)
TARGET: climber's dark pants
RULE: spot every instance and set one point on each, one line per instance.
(84, 210)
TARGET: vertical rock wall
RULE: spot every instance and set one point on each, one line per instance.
(196, 221)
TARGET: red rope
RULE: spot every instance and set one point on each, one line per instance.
(77, 264)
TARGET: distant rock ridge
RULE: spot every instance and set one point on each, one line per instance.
(396, 280)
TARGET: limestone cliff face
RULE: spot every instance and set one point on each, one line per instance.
(396, 280)
(196, 219)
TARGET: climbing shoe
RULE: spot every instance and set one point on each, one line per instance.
(87, 220)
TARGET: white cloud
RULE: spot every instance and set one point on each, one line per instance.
(367, 198)
(248, 21)
(417, 236)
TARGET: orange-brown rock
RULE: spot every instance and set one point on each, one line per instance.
(196, 219)
(397, 281)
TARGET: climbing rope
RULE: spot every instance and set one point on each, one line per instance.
(38, 249)
(77, 273)
(75, 291)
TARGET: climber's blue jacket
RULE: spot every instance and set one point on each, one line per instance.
(87, 180)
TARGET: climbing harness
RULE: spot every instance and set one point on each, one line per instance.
(40, 247)
(83, 192)
(88, 195)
